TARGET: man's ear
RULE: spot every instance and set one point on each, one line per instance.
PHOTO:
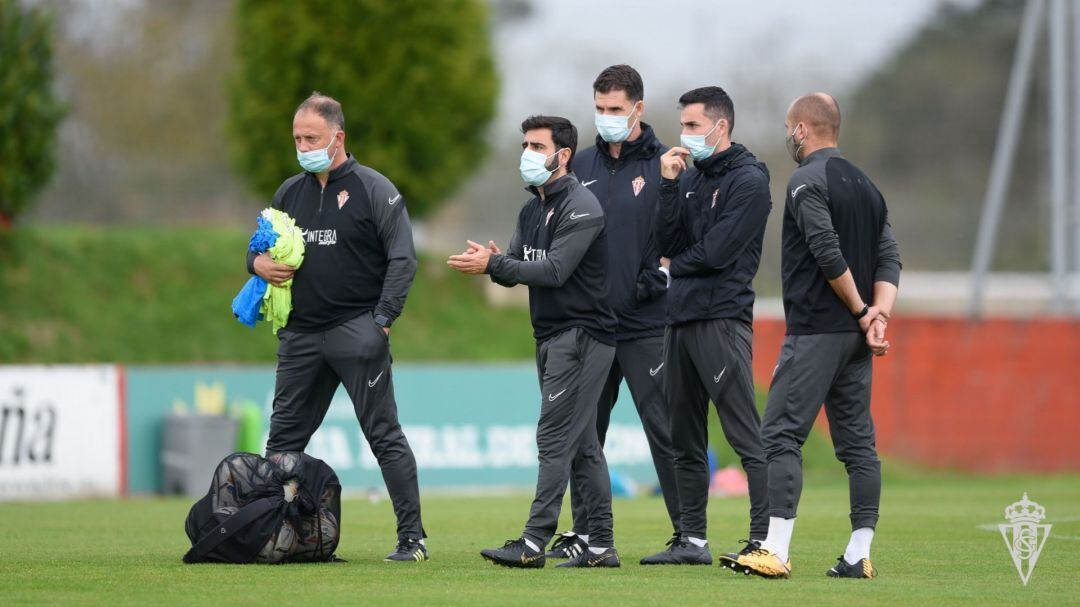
(565, 163)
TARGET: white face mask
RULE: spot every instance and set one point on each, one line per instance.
(534, 169)
(697, 146)
(615, 128)
(317, 161)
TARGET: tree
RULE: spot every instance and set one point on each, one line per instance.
(416, 80)
(925, 126)
(29, 113)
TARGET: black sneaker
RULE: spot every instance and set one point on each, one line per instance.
(862, 569)
(731, 559)
(607, 558)
(567, 546)
(409, 550)
(515, 553)
(680, 552)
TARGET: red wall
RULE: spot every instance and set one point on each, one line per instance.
(995, 395)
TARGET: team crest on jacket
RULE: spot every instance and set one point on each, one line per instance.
(548, 219)
(639, 184)
(342, 198)
(714, 194)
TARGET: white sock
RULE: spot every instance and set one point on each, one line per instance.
(779, 538)
(423, 542)
(595, 550)
(700, 543)
(859, 545)
(532, 545)
(584, 537)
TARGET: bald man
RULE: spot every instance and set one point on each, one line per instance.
(840, 271)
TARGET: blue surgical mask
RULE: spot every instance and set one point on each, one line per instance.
(317, 161)
(533, 167)
(613, 128)
(696, 144)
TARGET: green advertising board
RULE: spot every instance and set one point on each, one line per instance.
(470, 426)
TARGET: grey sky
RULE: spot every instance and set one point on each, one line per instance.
(764, 51)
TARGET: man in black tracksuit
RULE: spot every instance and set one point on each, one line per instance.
(623, 171)
(838, 254)
(710, 226)
(358, 266)
(559, 250)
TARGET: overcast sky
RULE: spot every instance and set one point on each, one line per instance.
(763, 52)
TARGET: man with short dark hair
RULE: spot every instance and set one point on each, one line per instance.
(840, 271)
(623, 171)
(710, 227)
(358, 266)
(559, 250)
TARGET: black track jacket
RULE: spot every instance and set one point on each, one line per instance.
(628, 188)
(559, 250)
(710, 223)
(358, 247)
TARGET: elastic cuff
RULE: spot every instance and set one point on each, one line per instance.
(676, 267)
(891, 277)
(381, 312)
(835, 270)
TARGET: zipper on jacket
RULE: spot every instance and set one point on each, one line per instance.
(611, 180)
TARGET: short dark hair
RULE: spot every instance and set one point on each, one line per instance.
(620, 77)
(324, 106)
(717, 103)
(563, 132)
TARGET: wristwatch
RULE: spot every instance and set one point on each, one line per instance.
(382, 320)
(863, 312)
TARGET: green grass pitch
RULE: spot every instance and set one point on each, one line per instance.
(937, 543)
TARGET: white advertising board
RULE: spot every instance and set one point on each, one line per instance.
(61, 432)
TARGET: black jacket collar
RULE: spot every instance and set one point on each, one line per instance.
(555, 188)
(645, 146)
(716, 165)
(343, 170)
(823, 153)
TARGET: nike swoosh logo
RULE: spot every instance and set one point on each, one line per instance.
(394, 200)
(525, 560)
(576, 216)
(689, 194)
(653, 372)
(371, 383)
(552, 397)
(588, 183)
(716, 378)
(796, 190)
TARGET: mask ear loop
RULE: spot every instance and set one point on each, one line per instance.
(636, 121)
(711, 131)
(801, 143)
(332, 143)
(556, 165)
